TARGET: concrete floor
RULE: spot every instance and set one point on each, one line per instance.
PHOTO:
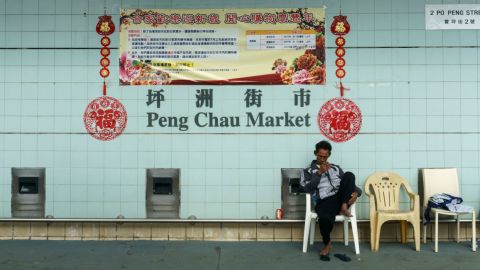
(64, 255)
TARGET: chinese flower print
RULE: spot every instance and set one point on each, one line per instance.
(279, 66)
(308, 68)
(127, 71)
(136, 72)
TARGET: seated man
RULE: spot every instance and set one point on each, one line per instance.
(333, 191)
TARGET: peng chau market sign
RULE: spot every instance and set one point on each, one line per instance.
(339, 119)
(275, 46)
(204, 100)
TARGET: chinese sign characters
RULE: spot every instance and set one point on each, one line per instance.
(204, 117)
(222, 46)
(439, 17)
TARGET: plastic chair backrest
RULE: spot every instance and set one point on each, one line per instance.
(386, 189)
(440, 180)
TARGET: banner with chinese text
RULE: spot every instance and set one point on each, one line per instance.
(222, 46)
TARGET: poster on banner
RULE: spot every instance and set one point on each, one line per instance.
(457, 16)
(222, 46)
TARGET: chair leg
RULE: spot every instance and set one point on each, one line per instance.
(436, 232)
(403, 231)
(306, 231)
(312, 230)
(355, 235)
(458, 228)
(424, 233)
(416, 233)
(345, 232)
(474, 233)
(373, 229)
(377, 234)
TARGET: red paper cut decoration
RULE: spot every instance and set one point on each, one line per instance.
(339, 119)
(105, 118)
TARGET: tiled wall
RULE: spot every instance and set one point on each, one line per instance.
(417, 89)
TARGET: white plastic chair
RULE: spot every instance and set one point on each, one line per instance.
(310, 220)
(444, 180)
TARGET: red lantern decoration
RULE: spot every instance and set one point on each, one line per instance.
(340, 25)
(105, 25)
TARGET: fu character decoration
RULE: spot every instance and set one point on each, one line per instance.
(340, 27)
(340, 119)
(105, 117)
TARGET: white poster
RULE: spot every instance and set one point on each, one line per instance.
(438, 17)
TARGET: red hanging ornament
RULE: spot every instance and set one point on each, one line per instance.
(105, 118)
(105, 25)
(340, 51)
(340, 62)
(105, 41)
(339, 119)
(104, 62)
(104, 72)
(340, 73)
(341, 88)
(340, 41)
(105, 51)
(340, 25)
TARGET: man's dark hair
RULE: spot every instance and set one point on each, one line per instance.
(323, 145)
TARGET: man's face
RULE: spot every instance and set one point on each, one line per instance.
(322, 156)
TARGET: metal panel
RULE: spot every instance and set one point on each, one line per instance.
(293, 196)
(163, 193)
(28, 192)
